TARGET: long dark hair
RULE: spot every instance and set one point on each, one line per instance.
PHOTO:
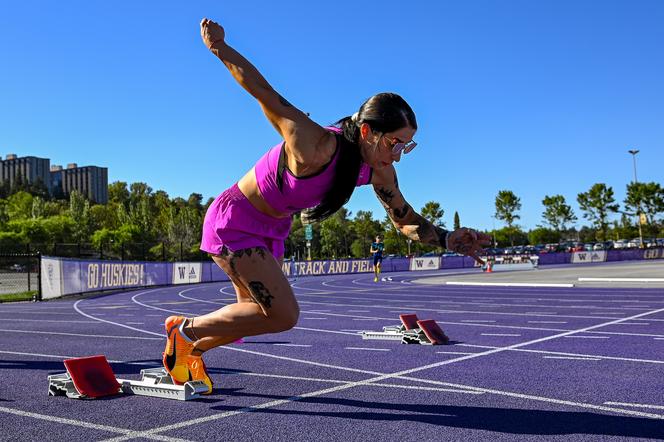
(385, 112)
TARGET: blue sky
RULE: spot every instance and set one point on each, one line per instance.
(537, 97)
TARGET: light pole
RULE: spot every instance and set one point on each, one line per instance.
(638, 215)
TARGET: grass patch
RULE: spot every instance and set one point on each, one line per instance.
(23, 296)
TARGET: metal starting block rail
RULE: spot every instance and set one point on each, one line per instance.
(411, 331)
(92, 377)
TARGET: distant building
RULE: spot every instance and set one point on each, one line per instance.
(30, 169)
(91, 181)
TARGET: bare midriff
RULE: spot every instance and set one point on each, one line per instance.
(249, 189)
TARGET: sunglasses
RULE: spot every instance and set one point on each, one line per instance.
(398, 147)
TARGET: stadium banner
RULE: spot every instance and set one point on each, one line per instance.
(51, 277)
(427, 263)
(187, 272)
(587, 257)
(653, 254)
(309, 268)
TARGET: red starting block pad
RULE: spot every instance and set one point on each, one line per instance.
(92, 377)
(411, 331)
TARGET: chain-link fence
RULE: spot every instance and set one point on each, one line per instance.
(19, 274)
(141, 251)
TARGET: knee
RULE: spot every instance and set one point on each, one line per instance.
(285, 320)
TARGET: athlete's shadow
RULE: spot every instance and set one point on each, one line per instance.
(502, 420)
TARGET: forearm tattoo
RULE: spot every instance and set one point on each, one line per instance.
(260, 294)
(385, 196)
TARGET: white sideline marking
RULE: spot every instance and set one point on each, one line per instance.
(453, 353)
(611, 358)
(572, 357)
(633, 323)
(500, 334)
(366, 319)
(658, 339)
(589, 337)
(75, 334)
(294, 345)
(623, 279)
(509, 284)
(627, 404)
(61, 420)
(367, 349)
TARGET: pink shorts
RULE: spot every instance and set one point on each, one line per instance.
(232, 221)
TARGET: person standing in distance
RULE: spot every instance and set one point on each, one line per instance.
(377, 249)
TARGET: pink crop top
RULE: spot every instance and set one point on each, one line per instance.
(299, 193)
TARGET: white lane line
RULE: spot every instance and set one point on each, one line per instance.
(316, 318)
(658, 339)
(571, 357)
(352, 330)
(477, 320)
(610, 358)
(627, 404)
(547, 322)
(453, 353)
(633, 323)
(88, 425)
(500, 334)
(342, 332)
(75, 334)
(358, 311)
(622, 279)
(12, 320)
(588, 337)
(293, 345)
(509, 284)
(541, 313)
(367, 319)
(367, 349)
(337, 381)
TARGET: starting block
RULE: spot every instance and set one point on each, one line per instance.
(411, 331)
(92, 377)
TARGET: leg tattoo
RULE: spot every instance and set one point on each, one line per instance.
(261, 294)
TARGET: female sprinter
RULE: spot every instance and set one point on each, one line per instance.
(314, 170)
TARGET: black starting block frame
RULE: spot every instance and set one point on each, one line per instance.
(411, 331)
(92, 377)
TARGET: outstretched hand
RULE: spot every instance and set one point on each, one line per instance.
(211, 32)
(468, 242)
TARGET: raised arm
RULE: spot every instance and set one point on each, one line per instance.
(414, 226)
(297, 129)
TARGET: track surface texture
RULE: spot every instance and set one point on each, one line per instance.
(525, 363)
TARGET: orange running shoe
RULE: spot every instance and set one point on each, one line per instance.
(198, 371)
(177, 350)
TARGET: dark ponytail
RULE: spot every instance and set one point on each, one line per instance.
(384, 113)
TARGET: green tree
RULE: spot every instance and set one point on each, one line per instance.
(433, 213)
(557, 213)
(542, 235)
(366, 229)
(334, 235)
(118, 193)
(457, 222)
(507, 205)
(19, 205)
(79, 211)
(646, 198)
(597, 203)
